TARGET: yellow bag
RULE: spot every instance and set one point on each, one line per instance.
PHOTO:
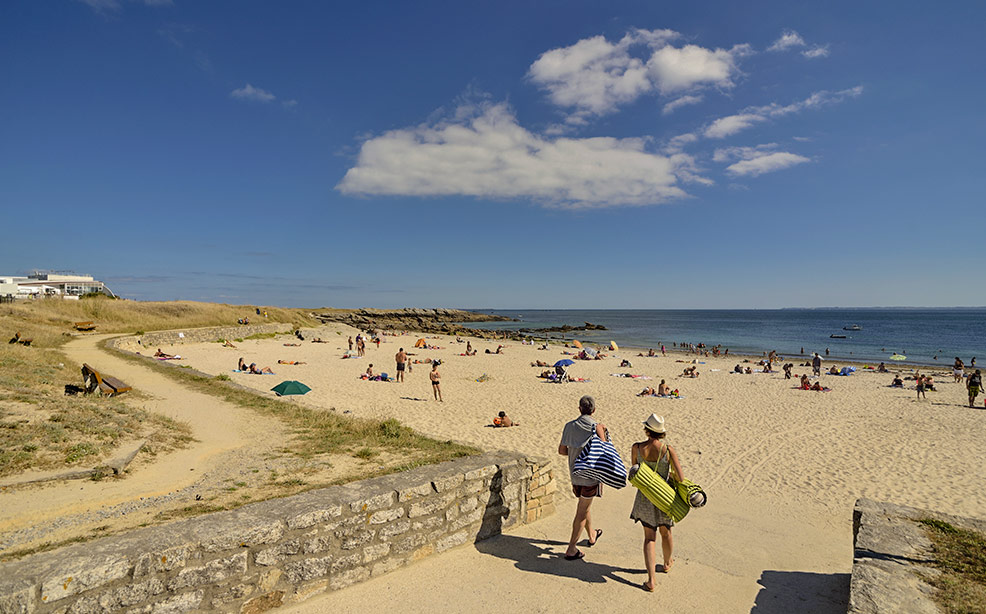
(659, 492)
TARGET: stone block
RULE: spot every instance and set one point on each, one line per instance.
(451, 513)
(378, 502)
(431, 505)
(447, 482)
(210, 573)
(427, 524)
(384, 516)
(308, 569)
(233, 593)
(349, 526)
(172, 605)
(318, 544)
(314, 517)
(395, 528)
(348, 577)
(163, 560)
(357, 540)
(309, 590)
(239, 535)
(408, 543)
(262, 603)
(414, 492)
(481, 473)
(268, 580)
(467, 519)
(345, 562)
(387, 566)
(78, 575)
(19, 600)
(515, 474)
(276, 554)
(422, 552)
(468, 504)
(453, 540)
(375, 551)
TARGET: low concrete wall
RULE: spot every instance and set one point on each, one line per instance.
(135, 343)
(892, 556)
(275, 552)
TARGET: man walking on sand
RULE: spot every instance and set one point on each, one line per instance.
(401, 359)
(816, 364)
(576, 434)
(974, 384)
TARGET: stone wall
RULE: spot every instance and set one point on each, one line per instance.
(281, 551)
(139, 343)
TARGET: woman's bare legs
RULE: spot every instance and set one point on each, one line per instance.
(666, 547)
(650, 556)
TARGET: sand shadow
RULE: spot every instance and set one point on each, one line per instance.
(412, 399)
(782, 592)
(545, 557)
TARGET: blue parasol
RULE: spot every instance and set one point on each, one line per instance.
(564, 362)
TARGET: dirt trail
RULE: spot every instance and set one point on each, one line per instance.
(222, 432)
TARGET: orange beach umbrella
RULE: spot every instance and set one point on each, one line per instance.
(577, 344)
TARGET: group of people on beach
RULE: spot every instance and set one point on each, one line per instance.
(653, 451)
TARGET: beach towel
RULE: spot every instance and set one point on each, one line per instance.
(600, 461)
(659, 492)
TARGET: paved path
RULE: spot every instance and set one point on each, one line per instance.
(218, 427)
(727, 560)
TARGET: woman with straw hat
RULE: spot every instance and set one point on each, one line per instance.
(659, 456)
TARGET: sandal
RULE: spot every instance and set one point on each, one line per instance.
(667, 568)
(599, 533)
(574, 557)
(649, 589)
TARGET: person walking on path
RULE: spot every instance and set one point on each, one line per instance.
(401, 359)
(659, 456)
(974, 384)
(436, 381)
(574, 437)
(816, 364)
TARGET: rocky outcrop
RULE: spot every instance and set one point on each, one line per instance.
(564, 328)
(441, 321)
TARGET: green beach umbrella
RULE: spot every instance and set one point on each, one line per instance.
(898, 357)
(290, 387)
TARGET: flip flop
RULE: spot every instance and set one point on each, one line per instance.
(649, 589)
(574, 557)
(667, 568)
(599, 533)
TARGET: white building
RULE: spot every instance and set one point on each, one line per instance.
(51, 284)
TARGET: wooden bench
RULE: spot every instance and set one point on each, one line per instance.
(85, 326)
(107, 385)
(21, 340)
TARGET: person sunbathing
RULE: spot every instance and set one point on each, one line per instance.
(663, 389)
(227, 344)
(254, 370)
(647, 392)
(540, 363)
(318, 340)
(834, 370)
(503, 421)
(738, 369)
(242, 366)
(160, 354)
(817, 387)
(290, 362)
(897, 383)
(882, 368)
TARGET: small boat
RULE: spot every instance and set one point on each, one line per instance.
(837, 336)
(853, 327)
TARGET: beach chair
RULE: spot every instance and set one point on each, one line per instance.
(561, 375)
(93, 380)
(21, 340)
(85, 326)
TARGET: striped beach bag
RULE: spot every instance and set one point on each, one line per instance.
(599, 461)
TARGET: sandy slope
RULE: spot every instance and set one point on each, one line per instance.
(782, 467)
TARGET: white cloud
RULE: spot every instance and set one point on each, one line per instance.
(677, 103)
(728, 154)
(594, 76)
(766, 163)
(248, 92)
(820, 51)
(730, 125)
(289, 104)
(483, 152)
(788, 39)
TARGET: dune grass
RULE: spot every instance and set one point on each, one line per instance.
(961, 556)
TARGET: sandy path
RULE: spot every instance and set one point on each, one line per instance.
(218, 427)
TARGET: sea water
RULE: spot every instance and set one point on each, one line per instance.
(925, 336)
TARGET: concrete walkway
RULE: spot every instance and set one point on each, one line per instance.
(729, 558)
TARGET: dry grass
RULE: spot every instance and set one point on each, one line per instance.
(961, 556)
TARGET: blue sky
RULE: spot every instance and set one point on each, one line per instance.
(508, 154)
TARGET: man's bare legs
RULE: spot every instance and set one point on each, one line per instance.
(583, 520)
(667, 545)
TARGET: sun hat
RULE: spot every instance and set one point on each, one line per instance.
(655, 423)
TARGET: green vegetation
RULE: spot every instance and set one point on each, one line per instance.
(961, 556)
(261, 336)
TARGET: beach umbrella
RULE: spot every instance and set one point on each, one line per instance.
(577, 344)
(613, 346)
(290, 387)
(564, 362)
(420, 343)
(590, 352)
(898, 357)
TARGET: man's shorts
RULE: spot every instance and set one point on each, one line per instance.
(587, 492)
(400, 366)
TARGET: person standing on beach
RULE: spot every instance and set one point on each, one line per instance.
(436, 381)
(350, 343)
(574, 437)
(974, 385)
(920, 387)
(659, 456)
(958, 370)
(401, 359)
(816, 364)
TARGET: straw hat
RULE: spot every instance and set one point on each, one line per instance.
(655, 423)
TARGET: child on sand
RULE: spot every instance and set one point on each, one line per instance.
(503, 421)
